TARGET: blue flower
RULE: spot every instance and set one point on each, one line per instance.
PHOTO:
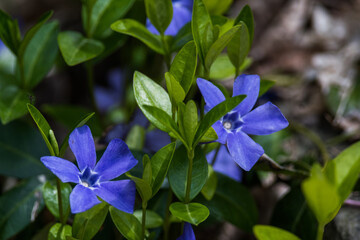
(233, 128)
(182, 13)
(188, 233)
(93, 179)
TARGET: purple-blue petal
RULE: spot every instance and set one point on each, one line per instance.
(263, 120)
(82, 145)
(225, 164)
(82, 199)
(120, 194)
(212, 95)
(63, 169)
(244, 151)
(248, 85)
(116, 160)
(106, 98)
(186, 3)
(220, 131)
(188, 233)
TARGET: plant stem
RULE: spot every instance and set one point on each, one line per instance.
(167, 52)
(59, 197)
(189, 175)
(320, 232)
(144, 205)
(215, 156)
(167, 222)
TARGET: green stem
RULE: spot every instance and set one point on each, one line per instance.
(144, 205)
(167, 52)
(237, 72)
(320, 232)
(167, 222)
(215, 156)
(189, 175)
(59, 197)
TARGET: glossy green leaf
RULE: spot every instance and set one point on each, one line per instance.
(102, 13)
(239, 46)
(50, 195)
(219, 45)
(343, 171)
(184, 65)
(59, 232)
(247, 17)
(202, 29)
(9, 32)
(263, 232)
(182, 37)
(223, 69)
(54, 142)
(178, 172)
(215, 114)
(39, 55)
(88, 223)
(127, 224)
(19, 206)
(265, 85)
(76, 49)
(143, 187)
(147, 92)
(42, 125)
(139, 31)
(217, 7)
(232, 202)
(174, 88)
(194, 213)
(147, 173)
(318, 190)
(135, 138)
(209, 136)
(190, 121)
(160, 164)
(153, 220)
(208, 191)
(160, 13)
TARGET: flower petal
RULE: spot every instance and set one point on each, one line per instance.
(212, 95)
(263, 120)
(63, 169)
(188, 233)
(82, 145)
(120, 194)
(248, 85)
(220, 131)
(244, 151)
(116, 160)
(82, 199)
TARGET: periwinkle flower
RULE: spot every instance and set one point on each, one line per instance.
(233, 128)
(182, 13)
(93, 179)
(188, 233)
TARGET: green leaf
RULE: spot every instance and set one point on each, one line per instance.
(147, 92)
(147, 173)
(42, 125)
(215, 114)
(209, 136)
(153, 220)
(160, 13)
(9, 32)
(101, 15)
(88, 223)
(263, 232)
(182, 37)
(223, 69)
(247, 17)
(208, 191)
(77, 49)
(59, 232)
(343, 171)
(126, 223)
(160, 164)
(265, 85)
(184, 65)
(39, 55)
(318, 190)
(178, 172)
(54, 142)
(142, 186)
(135, 138)
(137, 30)
(202, 29)
(190, 121)
(239, 46)
(21, 147)
(50, 195)
(19, 207)
(218, 46)
(232, 202)
(174, 88)
(217, 7)
(194, 213)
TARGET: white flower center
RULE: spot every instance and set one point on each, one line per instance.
(227, 125)
(85, 184)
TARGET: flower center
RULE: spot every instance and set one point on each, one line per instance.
(227, 125)
(232, 121)
(88, 178)
(85, 184)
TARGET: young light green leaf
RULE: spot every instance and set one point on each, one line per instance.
(139, 31)
(184, 65)
(263, 232)
(318, 190)
(223, 69)
(136, 138)
(209, 136)
(88, 223)
(76, 49)
(142, 186)
(174, 88)
(208, 191)
(42, 125)
(147, 173)
(160, 13)
(153, 220)
(239, 46)
(160, 164)
(265, 85)
(178, 172)
(190, 121)
(217, 7)
(194, 213)
(50, 195)
(9, 32)
(59, 232)
(54, 142)
(127, 224)
(247, 17)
